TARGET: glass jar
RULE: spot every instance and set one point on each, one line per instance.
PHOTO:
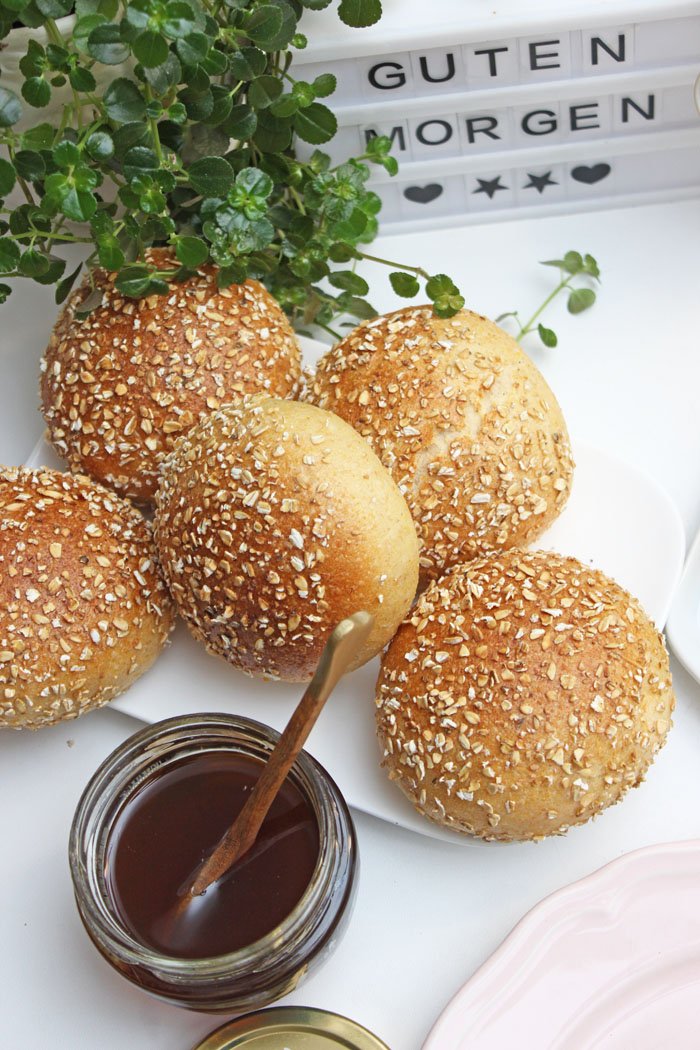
(250, 977)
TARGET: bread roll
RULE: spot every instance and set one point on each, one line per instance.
(524, 694)
(119, 386)
(274, 521)
(462, 418)
(83, 609)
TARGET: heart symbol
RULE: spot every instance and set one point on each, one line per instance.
(423, 194)
(589, 175)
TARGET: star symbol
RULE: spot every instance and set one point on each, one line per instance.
(490, 186)
(538, 182)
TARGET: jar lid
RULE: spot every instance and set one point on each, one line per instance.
(292, 1028)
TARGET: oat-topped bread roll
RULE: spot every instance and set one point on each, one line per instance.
(462, 418)
(274, 521)
(523, 694)
(83, 609)
(119, 386)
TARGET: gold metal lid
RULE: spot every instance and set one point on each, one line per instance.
(292, 1028)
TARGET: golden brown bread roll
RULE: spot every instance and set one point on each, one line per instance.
(524, 693)
(119, 386)
(274, 521)
(465, 422)
(83, 609)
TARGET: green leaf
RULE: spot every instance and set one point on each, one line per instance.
(74, 201)
(39, 137)
(254, 182)
(193, 48)
(109, 252)
(284, 106)
(273, 134)
(105, 44)
(548, 337)
(591, 267)
(211, 176)
(63, 287)
(55, 8)
(82, 29)
(5, 292)
(440, 284)
(150, 48)
(349, 282)
(133, 133)
(37, 92)
(580, 299)
(81, 79)
(165, 76)
(124, 102)
(573, 262)
(99, 145)
(404, 284)
(34, 62)
(315, 124)
(33, 263)
(324, 85)
(191, 251)
(248, 63)
(181, 19)
(30, 165)
(66, 154)
(263, 24)
(241, 123)
(340, 252)
(139, 160)
(7, 177)
(134, 280)
(360, 13)
(357, 307)
(263, 91)
(9, 255)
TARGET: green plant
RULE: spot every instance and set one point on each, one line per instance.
(195, 149)
(580, 297)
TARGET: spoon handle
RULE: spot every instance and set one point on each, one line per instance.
(340, 650)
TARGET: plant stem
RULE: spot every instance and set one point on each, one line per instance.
(529, 325)
(418, 270)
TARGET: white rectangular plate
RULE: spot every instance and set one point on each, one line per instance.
(684, 620)
(617, 519)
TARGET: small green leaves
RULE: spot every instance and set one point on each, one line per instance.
(404, 284)
(105, 44)
(100, 145)
(548, 337)
(36, 91)
(360, 13)
(445, 295)
(9, 255)
(191, 251)
(198, 137)
(123, 101)
(211, 176)
(7, 178)
(349, 282)
(315, 124)
(572, 265)
(10, 108)
(150, 48)
(580, 299)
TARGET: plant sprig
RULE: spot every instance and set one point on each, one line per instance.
(580, 297)
(191, 144)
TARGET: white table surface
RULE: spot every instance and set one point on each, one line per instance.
(428, 913)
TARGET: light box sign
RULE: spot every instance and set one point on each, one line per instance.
(559, 117)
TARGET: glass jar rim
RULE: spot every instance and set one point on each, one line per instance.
(112, 791)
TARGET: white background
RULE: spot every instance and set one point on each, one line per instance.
(428, 913)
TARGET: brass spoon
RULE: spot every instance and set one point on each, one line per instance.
(340, 650)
